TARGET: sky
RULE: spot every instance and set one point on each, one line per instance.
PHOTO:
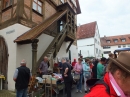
(112, 16)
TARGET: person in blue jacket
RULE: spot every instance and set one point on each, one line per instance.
(86, 73)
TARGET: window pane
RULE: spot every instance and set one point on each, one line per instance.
(119, 46)
(35, 0)
(39, 3)
(34, 6)
(62, 1)
(10, 2)
(6, 4)
(107, 52)
(39, 9)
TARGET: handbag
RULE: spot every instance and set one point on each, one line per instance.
(76, 77)
(88, 75)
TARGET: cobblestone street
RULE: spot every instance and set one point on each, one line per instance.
(5, 93)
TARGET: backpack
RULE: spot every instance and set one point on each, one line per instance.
(93, 82)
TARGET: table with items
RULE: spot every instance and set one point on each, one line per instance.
(52, 83)
(2, 77)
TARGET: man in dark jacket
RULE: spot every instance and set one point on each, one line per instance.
(22, 77)
(67, 76)
(94, 70)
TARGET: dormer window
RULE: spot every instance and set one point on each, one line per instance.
(108, 41)
(123, 40)
(7, 3)
(115, 40)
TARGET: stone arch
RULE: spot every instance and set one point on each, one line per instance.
(4, 59)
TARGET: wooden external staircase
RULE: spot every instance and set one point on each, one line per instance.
(54, 46)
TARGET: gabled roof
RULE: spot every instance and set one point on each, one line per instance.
(112, 38)
(35, 32)
(86, 30)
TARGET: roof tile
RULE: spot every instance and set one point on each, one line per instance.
(112, 43)
(86, 30)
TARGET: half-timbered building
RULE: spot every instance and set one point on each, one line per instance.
(32, 29)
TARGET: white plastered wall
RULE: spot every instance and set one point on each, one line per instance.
(10, 34)
(86, 46)
(73, 49)
(98, 43)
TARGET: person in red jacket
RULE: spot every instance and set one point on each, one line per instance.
(116, 82)
(73, 63)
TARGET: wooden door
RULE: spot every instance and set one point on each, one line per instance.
(3, 59)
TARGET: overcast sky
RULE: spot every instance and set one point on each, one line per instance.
(112, 16)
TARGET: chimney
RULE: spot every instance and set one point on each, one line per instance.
(105, 37)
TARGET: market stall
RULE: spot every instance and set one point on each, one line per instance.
(48, 84)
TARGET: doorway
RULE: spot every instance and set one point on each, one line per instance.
(3, 60)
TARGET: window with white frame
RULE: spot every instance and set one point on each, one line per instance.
(128, 45)
(98, 43)
(115, 40)
(124, 45)
(123, 40)
(107, 52)
(119, 46)
(97, 50)
(106, 47)
(108, 41)
(95, 40)
(62, 1)
(37, 6)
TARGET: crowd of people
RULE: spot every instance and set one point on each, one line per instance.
(101, 77)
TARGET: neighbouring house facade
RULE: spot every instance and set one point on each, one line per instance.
(32, 29)
(111, 43)
(88, 40)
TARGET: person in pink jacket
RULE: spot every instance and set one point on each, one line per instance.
(79, 71)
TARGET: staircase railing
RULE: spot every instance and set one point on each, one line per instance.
(52, 44)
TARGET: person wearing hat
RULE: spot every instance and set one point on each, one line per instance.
(22, 77)
(116, 80)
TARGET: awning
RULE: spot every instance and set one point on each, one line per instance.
(35, 32)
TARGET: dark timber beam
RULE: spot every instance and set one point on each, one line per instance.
(69, 46)
(34, 55)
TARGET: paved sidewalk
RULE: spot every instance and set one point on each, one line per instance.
(74, 94)
(6, 93)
